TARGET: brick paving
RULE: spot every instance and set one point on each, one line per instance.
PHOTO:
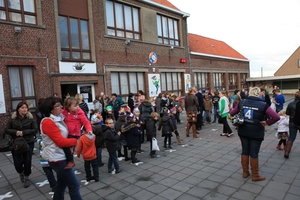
(206, 168)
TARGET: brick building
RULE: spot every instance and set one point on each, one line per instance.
(94, 46)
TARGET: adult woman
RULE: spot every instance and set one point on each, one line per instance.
(145, 109)
(130, 101)
(105, 101)
(293, 110)
(54, 134)
(140, 97)
(82, 104)
(191, 107)
(157, 103)
(22, 124)
(224, 111)
(252, 131)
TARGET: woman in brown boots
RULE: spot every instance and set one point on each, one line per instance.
(252, 131)
(191, 107)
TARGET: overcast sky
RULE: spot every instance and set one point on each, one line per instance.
(266, 32)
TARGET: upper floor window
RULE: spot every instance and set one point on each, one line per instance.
(74, 39)
(167, 30)
(122, 20)
(22, 11)
(21, 83)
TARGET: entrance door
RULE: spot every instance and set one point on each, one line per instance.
(88, 91)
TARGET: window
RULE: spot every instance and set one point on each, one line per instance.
(171, 82)
(123, 83)
(22, 11)
(232, 81)
(218, 81)
(243, 77)
(201, 80)
(122, 20)
(167, 30)
(21, 85)
(299, 63)
(74, 39)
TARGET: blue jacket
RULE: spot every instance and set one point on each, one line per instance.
(279, 101)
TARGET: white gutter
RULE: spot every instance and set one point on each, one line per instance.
(215, 56)
(184, 14)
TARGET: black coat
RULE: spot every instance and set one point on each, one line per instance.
(151, 128)
(166, 124)
(97, 130)
(112, 139)
(145, 109)
(132, 135)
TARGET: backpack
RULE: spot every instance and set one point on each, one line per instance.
(20, 145)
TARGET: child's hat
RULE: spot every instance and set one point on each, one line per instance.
(127, 109)
(96, 118)
(130, 116)
(136, 110)
(173, 109)
(108, 108)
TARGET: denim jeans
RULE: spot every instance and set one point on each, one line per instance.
(250, 146)
(50, 176)
(216, 112)
(22, 162)
(99, 156)
(87, 167)
(293, 130)
(66, 178)
(113, 159)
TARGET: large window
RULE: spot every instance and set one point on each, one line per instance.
(243, 77)
(123, 83)
(21, 85)
(171, 82)
(167, 30)
(201, 80)
(22, 11)
(74, 39)
(122, 20)
(232, 81)
(218, 81)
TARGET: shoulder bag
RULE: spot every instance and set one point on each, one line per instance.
(20, 145)
(238, 119)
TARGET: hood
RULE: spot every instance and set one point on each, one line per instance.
(165, 118)
(28, 115)
(105, 128)
(127, 127)
(88, 139)
(146, 104)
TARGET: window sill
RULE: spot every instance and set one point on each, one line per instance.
(23, 25)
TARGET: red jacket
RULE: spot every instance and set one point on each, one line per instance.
(74, 121)
(86, 146)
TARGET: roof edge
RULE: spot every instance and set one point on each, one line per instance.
(184, 14)
(273, 77)
(215, 56)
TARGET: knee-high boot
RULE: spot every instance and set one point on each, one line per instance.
(245, 165)
(194, 131)
(254, 170)
(188, 127)
(126, 153)
(179, 142)
(288, 148)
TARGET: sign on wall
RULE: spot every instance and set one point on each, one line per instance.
(187, 82)
(73, 67)
(154, 84)
(2, 100)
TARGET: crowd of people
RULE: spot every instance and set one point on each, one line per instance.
(68, 128)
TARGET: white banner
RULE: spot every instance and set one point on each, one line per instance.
(2, 100)
(154, 85)
(72, 67)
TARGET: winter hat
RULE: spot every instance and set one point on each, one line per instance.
(122, 112)
(173, 109)
(108, 108)
(129, 117)
(127, 109)
(136, 110)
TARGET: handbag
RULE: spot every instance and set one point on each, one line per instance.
(20, 145)
(6, 143)
(238, 119)
(155, 145)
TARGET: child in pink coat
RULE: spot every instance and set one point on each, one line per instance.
(75, 118)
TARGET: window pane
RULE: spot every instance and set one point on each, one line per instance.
(166, 41)
(115, 83)
(109, 14)
(165, 27)
(119, 15)
(163, 82)
(63, 28)
(169, 81)
(28, 81)
(76, 55)
(29, 19)
(176, 29)
(86, 56)
(14, 81)
(159, 30)
(2, 15)
(84, 34)
(2, 3)
(132, 86)
(74, 33)
(140, 81)
(111, 32)
(179, 81)
(124, 83)
(65, 54)
(136, 20)
(120, 33)
(160, 40)
(14, 4)
(29, 6)
(174, 76)
(136, 36)
(129, 35)
(31, 102)
(15, 17)
(128, 18)
(171, 29)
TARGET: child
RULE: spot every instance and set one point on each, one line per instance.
(173, 117)
(208, 106)
(109, 113)
(283, 128)
(96, 117)
(166, 124)
(86, 147)
(132, 135)
(139, 122)
(99, 142)
(112, 143)
(151, 131)
(119, 123)
(74, 119)
(178, 107)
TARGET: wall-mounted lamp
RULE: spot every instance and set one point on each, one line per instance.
(171, 47)
(18, 29)
(127, 42)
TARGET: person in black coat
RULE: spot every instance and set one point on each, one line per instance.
(112, 143)
(200, 110)
(131, 101)
(145, 109)
(174, 120)
(99, 142)
(132, 135)
(151, 131)
(166, 124)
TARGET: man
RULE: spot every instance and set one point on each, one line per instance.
(200, 109)
(279, 100)
(116, 104)
(265, 96)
